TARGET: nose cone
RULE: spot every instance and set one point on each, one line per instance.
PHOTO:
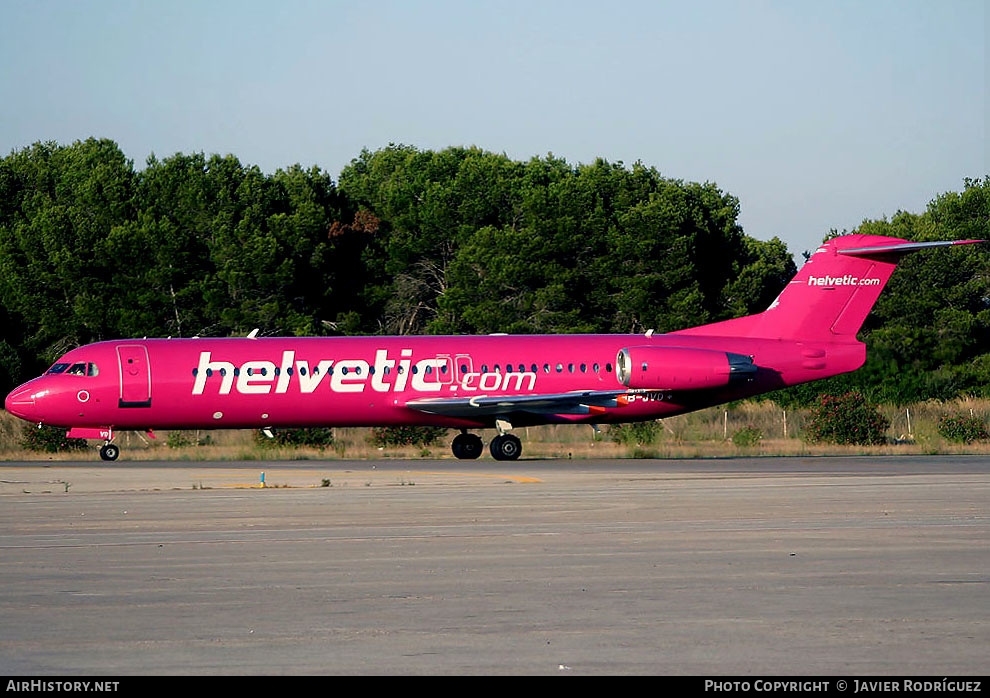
(21, 403)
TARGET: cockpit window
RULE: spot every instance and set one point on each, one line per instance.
(77, 369)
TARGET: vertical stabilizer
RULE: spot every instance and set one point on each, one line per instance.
(832, 293)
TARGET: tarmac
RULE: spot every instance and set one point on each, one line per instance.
(823, 566)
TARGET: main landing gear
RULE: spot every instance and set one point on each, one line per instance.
(467, 446)
(503, 447)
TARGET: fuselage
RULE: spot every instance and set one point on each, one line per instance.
(364, 381)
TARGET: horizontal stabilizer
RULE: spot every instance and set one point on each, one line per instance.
(902, 248)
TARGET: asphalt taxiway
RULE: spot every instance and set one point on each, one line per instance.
(749, 566)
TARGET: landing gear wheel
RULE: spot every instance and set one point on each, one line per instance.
(109, 452)
(467, 446)
(505, 447)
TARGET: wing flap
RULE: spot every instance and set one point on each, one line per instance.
(578, 402)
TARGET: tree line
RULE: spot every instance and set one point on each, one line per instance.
(460, 240)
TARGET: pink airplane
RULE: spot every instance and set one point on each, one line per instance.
(471, 382)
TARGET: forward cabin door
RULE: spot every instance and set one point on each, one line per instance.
(445, 369)
(135, 376)
(463, 365)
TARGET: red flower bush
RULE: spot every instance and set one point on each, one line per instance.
(846, 419)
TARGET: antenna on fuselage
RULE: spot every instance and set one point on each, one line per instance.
(253, 334)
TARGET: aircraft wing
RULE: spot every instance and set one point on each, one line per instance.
(577, 402)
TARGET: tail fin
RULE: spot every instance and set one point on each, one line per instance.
(831, 295)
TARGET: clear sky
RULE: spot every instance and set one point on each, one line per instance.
(815, 114)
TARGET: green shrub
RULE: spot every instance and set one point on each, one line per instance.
(405, 436)
(311, 437)
(636, 433)
(49, 439)
(747, 436)
(183, 439)
(962, 429)
(846, 419)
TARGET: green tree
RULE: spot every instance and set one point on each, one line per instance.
(59, 203)
(91, 250)
(471, 241)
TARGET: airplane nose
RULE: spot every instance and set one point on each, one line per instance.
(21, 403)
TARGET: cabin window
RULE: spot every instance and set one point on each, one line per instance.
(570, 368)
(584, 368)
(560, 367)
(597, 368)
(608, 368)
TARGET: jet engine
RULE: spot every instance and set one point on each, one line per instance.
(681, 368)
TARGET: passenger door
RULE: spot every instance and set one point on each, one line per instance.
(135, 376)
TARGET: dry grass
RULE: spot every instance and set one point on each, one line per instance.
(703, 434)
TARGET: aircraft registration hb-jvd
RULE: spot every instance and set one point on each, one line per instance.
(471, 382)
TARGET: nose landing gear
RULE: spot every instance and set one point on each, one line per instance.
(109, 451)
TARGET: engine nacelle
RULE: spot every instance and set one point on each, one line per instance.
(680, 368)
